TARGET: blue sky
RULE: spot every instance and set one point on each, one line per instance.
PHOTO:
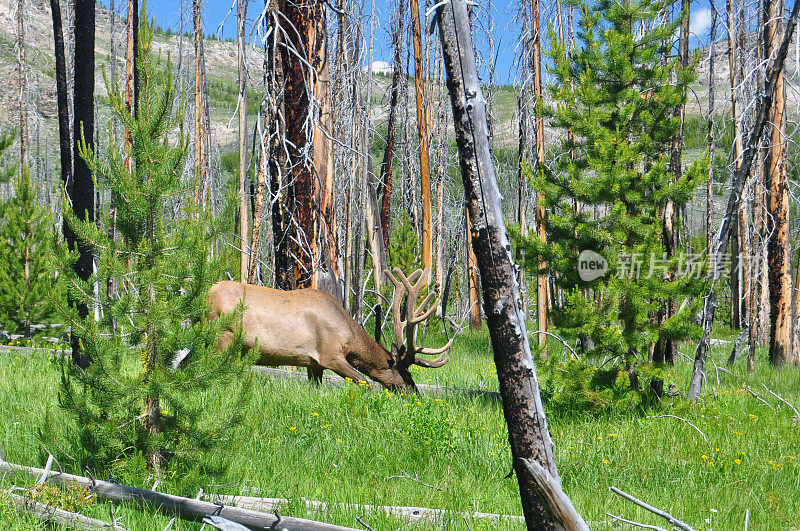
(167, 14)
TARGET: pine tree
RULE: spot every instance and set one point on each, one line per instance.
(28, 286)
(614, 94)
(133, 398)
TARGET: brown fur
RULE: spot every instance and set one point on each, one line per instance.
(306, 328)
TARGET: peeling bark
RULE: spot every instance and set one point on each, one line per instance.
(778, 256)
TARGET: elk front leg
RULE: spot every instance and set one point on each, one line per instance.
(315, 373)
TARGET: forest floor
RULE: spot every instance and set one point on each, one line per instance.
(356, 446)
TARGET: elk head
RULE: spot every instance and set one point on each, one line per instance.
(406, 294)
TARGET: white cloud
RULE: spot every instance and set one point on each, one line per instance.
(700, 22)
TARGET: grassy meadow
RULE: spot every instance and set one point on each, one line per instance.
(345, 444)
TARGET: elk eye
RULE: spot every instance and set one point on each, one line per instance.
(391, 362)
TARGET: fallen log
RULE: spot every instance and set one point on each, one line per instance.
(409, 514)
(56, 516)
(187, 508)
(27, 351)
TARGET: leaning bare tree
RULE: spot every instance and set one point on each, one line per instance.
(543, 501)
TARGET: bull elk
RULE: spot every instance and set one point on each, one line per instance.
(309, 328)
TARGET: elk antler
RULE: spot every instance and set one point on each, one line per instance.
(408, 288)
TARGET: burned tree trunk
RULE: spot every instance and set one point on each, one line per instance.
(81, 190)
(780, 280)
(297, 106)
(422, 128)
(65, 141)
(281, 191)
(528, 434)
(307, 76)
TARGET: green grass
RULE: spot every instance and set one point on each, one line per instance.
(341, 445)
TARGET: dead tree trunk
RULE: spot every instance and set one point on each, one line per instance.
(326, 276)
(281, 191)
(371, 213)
(81, 190)
(244, 201)
(528, 434)
(541, 283)
(759, 278)
(780, 280)
(23, 88)
(111, 283)
(711, 145)
(733, 67)
(130, 72)
(112, 67)
(297, 106)
(422, 128)
(307, 75)
(200, 133)
(65, 141)
(388, 154)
